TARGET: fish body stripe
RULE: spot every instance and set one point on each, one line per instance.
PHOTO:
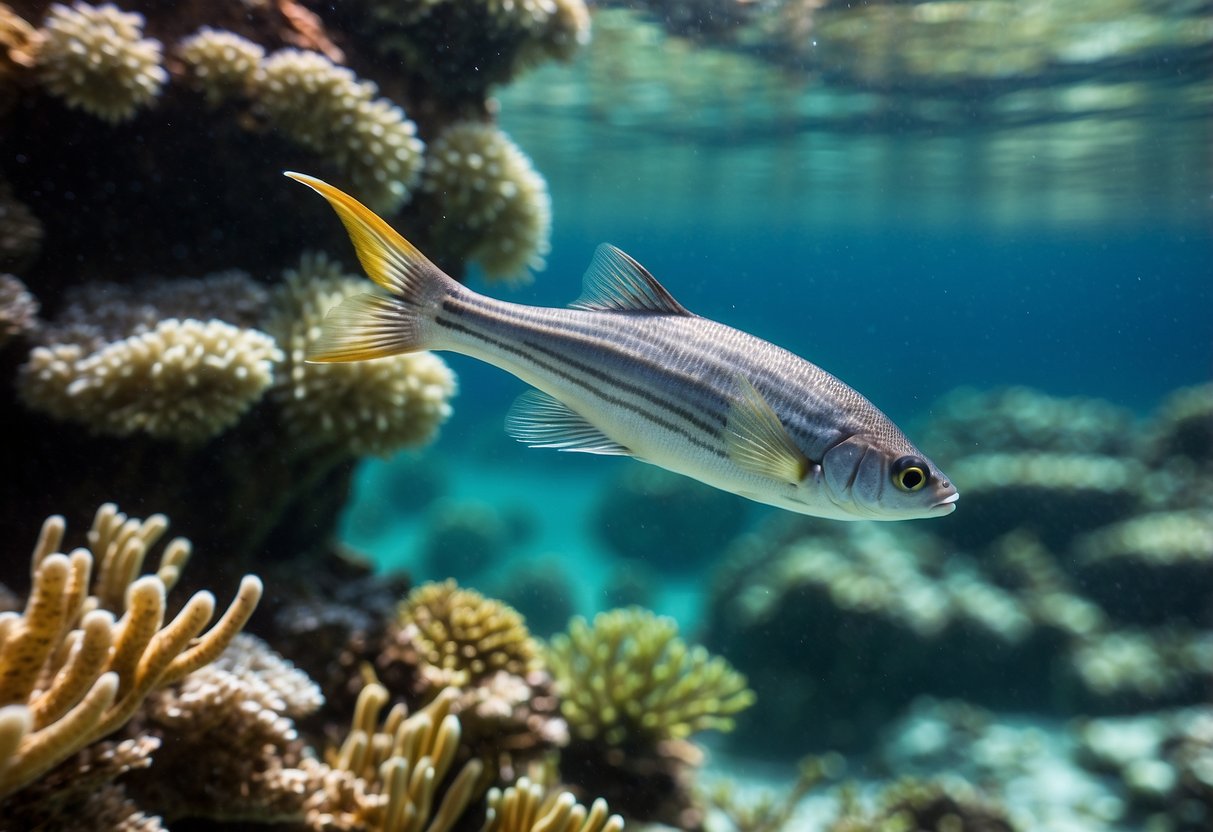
(679, 372)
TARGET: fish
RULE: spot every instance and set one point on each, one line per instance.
(627, 370)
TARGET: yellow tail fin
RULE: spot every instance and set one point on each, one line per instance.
(372, 326)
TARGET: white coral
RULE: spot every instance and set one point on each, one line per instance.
(326, 108)
(96, 59)
(221, 64)
(488, 185)
(185, 379)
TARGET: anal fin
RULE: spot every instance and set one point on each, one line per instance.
(542, 421)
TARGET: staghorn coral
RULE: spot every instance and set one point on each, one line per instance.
(326, 108)
(495, 206)
(629, 679)
(222, 65)
(185, 380)
(527, 807)
(366, 407)
(18, 308)
(96, 59)
(464, 637)
(70, 673)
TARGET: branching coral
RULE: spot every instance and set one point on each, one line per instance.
(492, 197)
(629, 679)
(366, 407)
(186, 380)
(69, 672)
(326, 108)
(385, 777)
(96, 59)
(465, 637)
(528, 807)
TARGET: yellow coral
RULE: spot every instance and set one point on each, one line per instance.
(326, 108)
(630, 679)
(528, 807)
(367, 407)
(467, 636)
(221, 64)
(69, 672)
(185, 379)
(96, 59)
(488, 186)
(385, 776)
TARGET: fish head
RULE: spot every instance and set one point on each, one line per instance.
(886, 478)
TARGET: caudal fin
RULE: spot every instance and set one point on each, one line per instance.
(373, 326)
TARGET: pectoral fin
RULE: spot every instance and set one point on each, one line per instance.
(541, 421)
(758, 442)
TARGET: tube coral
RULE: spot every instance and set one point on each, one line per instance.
(385, 776)
(70, 672)
(96, 59)
(528, 807)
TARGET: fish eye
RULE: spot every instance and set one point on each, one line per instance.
(910, 473)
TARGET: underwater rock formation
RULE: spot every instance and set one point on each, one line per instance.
(633, 692)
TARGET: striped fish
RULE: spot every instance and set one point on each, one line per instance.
(628, 370)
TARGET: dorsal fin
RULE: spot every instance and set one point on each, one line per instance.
(615, 282)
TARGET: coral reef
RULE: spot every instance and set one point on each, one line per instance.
(184, 380)
(495, 207)
(96, 59)
(74, 673)
(148, 139)
(1163, 763)
(528, 807)
(668, 521)
(633, 691)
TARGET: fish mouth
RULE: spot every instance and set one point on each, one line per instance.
(947, 505)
